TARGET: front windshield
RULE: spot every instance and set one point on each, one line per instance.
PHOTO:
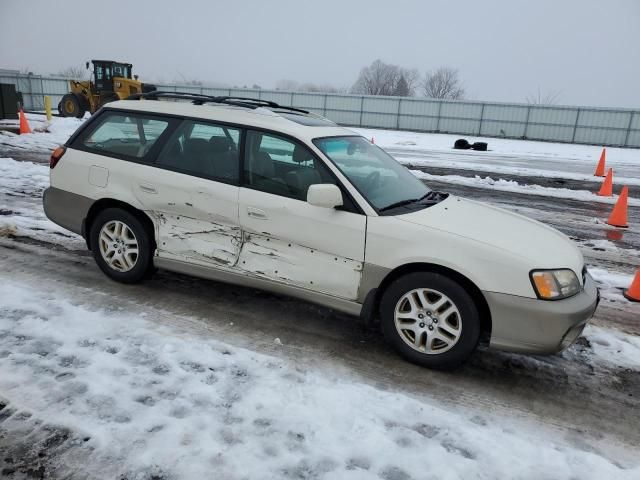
(378, 177)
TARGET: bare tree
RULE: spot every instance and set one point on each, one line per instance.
(74, 72)
(544, 98)
(412, 77)
(402, 87)
(379, 78)
(443, 83)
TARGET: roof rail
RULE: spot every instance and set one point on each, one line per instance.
(199, 99)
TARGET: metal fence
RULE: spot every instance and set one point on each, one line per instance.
(585, 125)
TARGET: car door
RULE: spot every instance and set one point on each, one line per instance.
(192, 194)
(286, 239)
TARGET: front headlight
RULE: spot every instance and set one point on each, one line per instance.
(555, 284)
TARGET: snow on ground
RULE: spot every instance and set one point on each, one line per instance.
(474, 165)
(611, 345)
(21, 210)
(156, 400)
(611, 284)
(512, 157)
(580, 154)
(513, 186)
(46, 135)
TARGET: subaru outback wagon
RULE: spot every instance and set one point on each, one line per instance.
(253, 193)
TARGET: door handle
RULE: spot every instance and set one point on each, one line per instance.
(256, 213)
(148, 188)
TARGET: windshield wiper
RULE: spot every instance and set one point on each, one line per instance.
(429, 195)
(401, 203)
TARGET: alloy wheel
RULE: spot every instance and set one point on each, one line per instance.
(118, 246)
(428, 321)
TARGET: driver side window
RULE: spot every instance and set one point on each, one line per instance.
(282, 167)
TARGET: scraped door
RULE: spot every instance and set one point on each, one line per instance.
(192, 194)
(285, 238)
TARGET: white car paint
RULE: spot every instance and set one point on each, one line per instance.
(494, 248)
(289, 245)
(290, 241)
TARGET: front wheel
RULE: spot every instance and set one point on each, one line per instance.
(430, 319)
(71, 106)
(121, 245)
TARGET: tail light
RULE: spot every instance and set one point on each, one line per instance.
(56, 156)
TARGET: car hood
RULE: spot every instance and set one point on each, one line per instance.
(537, 244)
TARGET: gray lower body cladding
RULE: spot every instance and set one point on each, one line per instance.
(530, 325)
(66, 209)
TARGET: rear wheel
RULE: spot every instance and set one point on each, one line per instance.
(121, 245)
(430, 320)
(71, 106)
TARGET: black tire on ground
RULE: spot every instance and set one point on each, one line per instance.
(143, 263)
(461, 144)
(72, 105)
(480, 146)
(469, 318)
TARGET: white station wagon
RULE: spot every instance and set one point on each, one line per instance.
(253, 193)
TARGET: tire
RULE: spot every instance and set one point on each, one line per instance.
(445, 341)
(461, 144)
(124, 265)
(72, 106)
(480, 146)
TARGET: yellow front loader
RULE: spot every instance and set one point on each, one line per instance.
(110, 81)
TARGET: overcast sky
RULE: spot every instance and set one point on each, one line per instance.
(588, 51)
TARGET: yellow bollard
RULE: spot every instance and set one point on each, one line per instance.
(47, 107)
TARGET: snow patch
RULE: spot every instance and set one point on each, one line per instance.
(49, 136)
(515, 187)
(157, 400)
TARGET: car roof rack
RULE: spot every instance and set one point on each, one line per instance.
(199, 99)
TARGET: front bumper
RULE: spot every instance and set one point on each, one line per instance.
(530, 325)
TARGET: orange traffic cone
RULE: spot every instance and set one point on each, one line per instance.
(606, 190)
(633, 294)
(618, 217)
(600, 168)
(373, 141)
(24, 125)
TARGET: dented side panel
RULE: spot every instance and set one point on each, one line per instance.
(201, 240)
(293, 242)
(295, 264)
(196, 219)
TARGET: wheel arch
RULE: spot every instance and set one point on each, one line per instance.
(105, 203)
(465, 282)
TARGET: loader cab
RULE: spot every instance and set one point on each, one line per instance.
(105, 70)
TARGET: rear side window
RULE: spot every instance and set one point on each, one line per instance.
(204, 150)
(124, 134)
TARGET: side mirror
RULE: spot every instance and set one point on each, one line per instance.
(87, 65)
(324, 195)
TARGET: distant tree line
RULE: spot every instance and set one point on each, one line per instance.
(382, 78)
